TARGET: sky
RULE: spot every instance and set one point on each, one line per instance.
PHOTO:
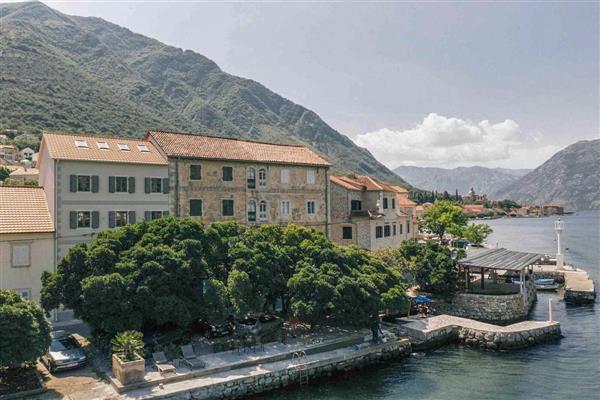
(502, 84)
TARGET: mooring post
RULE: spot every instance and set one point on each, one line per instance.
(549, 310)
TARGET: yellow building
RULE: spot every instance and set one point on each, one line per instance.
(26, 240)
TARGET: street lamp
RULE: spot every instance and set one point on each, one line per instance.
(559, 227)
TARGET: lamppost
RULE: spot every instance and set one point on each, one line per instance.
(559, 227)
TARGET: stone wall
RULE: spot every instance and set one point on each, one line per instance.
(507, 340)
(279, 378)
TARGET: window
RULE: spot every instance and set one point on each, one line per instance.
(407, 227)
(311, 177)
(227, 208)
(227, 174)
(154, 215)
(20, 255)
(387, 230)
(195, 172)
(394, 229)
(262, 210)
(346, 232)
(25, 294)
(262, 177)
(378, 231)
(385, 203)
(102, 145)
(84, 219)
(285, 176)
(196, 208)
(156, 185)
(251, 178)
(310, 207)
(120, 218)
(143, 148)
(123, 146)
(121, 184)
(81, 144)
(400, 227)
(285, 208)
(251, 211)
(84, 183)
(393, 203)
(355, 205)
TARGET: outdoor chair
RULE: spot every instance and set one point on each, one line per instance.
(161, 363)
(190, 358)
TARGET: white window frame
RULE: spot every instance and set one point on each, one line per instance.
(262, 182)
(285, 175)
(314, 207)
(311, 177)
(126, 218)
(81, 144)
(12, 255)
(123, 147)
(84, 211)
(251, 203)
(285, 211)
(103, 145)
(263, 216)
(142, 148)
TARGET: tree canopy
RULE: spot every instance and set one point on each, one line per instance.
(24, 331)
(444, 217)
(476, 233)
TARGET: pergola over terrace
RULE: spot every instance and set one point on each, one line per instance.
(500, 265)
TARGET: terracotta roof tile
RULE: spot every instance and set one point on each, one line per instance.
(219, 148)
(61, 146)
(366, 183)
(403, 201)
(23, 209)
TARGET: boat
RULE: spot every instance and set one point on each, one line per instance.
(545, 284)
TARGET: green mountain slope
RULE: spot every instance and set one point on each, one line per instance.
(81, 74)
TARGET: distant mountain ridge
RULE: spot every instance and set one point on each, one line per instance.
(481, 179)
(570, 178)
(85, 74)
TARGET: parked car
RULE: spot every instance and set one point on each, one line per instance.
(64, 353)
(266, 325)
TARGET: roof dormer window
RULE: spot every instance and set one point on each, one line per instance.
(143, 148)
(123, 146)
(102, 145)
(81, 144)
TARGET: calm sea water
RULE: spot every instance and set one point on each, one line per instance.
(567, 369)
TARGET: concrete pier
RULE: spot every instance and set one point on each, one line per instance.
(579, 288)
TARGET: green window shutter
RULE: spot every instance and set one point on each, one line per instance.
(95, 183)
(111, 184)
(73, 219)
(111, 219)
(147, 185)
(165, 185)
(73, 183)
(196, 208)
(131, 217)
(95, 219)
(131, 184)
(147, 215)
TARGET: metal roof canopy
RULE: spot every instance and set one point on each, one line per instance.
(500, 259)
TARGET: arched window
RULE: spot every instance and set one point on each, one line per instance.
(262, 177)
(251, 211)
(262, 210)
(251, 178)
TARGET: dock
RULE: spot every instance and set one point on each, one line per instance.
(442, 329)
(579, 288)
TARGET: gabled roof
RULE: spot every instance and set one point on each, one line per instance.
(499, 259)
(62, 146)
(365, 183)
(187, 145)
(23, 209)
(406, 202)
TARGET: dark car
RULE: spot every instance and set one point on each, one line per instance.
(264, 326)
(64, 353)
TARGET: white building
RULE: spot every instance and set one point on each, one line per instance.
(93, 183)
(26, 153)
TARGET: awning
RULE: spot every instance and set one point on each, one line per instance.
(500, 259)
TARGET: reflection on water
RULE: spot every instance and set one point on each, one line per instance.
(566, 369)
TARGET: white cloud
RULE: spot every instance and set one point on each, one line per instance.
(449, 142)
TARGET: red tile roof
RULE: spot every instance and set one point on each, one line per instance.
(187, 145)
(23, 209)
(365, 183)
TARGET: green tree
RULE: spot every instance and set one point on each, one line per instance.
(476, 233)
(313, 291)
(4, 173)
(217, 305)
(244, 296)
(24, 331)
(444, 217)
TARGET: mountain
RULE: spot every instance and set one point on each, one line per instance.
(482, 180)
(83, 74)
(570, 178)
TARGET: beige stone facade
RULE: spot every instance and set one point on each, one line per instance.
(370, 214)
(249, 192)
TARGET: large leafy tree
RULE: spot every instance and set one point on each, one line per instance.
(444, 217)
(24, 331)
(476, 233)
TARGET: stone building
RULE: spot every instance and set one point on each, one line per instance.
(216, 179)
(369, 213)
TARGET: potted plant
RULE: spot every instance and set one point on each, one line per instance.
(127, 364)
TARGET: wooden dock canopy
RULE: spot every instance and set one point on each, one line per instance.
(499, 259)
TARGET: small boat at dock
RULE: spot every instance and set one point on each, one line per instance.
(546, 284)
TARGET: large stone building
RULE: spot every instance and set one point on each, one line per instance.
(93, 183)
(216, 179)
(369, 213)
(26, 240)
